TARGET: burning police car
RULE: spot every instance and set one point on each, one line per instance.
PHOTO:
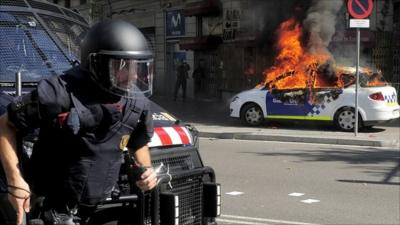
(377, 101)
(305, 83)
(39, 39)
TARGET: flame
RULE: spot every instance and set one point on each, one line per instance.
(297, 67)
(294, 67)
(376, 79)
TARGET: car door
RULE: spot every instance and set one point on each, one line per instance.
(321, 103)
(286, 104)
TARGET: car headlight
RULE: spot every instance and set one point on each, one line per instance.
(195, 134)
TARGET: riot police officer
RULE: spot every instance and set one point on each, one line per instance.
(87, 117)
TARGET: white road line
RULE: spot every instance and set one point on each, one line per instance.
(239, 222)
(264, 220)
(295, 194)
(234, 193)
(310, 201)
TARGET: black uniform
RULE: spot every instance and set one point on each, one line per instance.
(4, 101)
(182, 75)
(83, 131)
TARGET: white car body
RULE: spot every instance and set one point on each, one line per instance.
(322, 104)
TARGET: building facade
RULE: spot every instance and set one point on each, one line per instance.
(236, 38)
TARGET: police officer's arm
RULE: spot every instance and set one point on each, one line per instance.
(148, 178)
(139, 148)
(19, 192)
(23, 116)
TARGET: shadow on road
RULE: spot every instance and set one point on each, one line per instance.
(370, 182)
(370, 160)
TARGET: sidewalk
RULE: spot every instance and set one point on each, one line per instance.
(212, 120)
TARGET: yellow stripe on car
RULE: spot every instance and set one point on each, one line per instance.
(391, 104)
(320, 118)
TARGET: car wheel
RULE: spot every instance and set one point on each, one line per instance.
(345, 119)
(252, 115)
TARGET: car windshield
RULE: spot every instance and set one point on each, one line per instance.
(343, 77)
(27, 47)
(366, 79)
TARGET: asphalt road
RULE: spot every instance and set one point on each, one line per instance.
(293, 183)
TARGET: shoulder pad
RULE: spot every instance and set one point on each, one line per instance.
(53, 95)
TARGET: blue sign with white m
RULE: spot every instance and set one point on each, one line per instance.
(175, 23)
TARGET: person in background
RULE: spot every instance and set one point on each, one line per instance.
(182, 74)
(250, 75)
(199, 75)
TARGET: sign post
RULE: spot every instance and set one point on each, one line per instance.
(357, 82)
(359, 10)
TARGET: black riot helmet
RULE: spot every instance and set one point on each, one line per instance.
(118, 58)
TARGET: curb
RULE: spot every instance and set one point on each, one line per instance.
(286, 138)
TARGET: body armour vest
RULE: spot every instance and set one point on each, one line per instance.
(78, 155)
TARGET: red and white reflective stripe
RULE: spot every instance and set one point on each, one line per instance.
(183, 135)
(164, 136)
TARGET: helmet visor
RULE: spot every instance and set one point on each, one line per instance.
(131, 77)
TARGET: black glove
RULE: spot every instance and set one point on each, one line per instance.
(137, 172)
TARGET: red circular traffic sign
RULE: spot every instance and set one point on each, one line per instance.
(360, 9)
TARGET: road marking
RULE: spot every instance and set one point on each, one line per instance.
(223, 216)
(310, 201)
(238, 222)
(234, 193)
(295, 194)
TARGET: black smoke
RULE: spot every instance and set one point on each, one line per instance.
(273, 13)
(320, 23)
(318, 17)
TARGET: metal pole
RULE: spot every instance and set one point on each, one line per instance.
(18, 83)
(357, 82)
(18, 92)
(91, 11)
(110, 12)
